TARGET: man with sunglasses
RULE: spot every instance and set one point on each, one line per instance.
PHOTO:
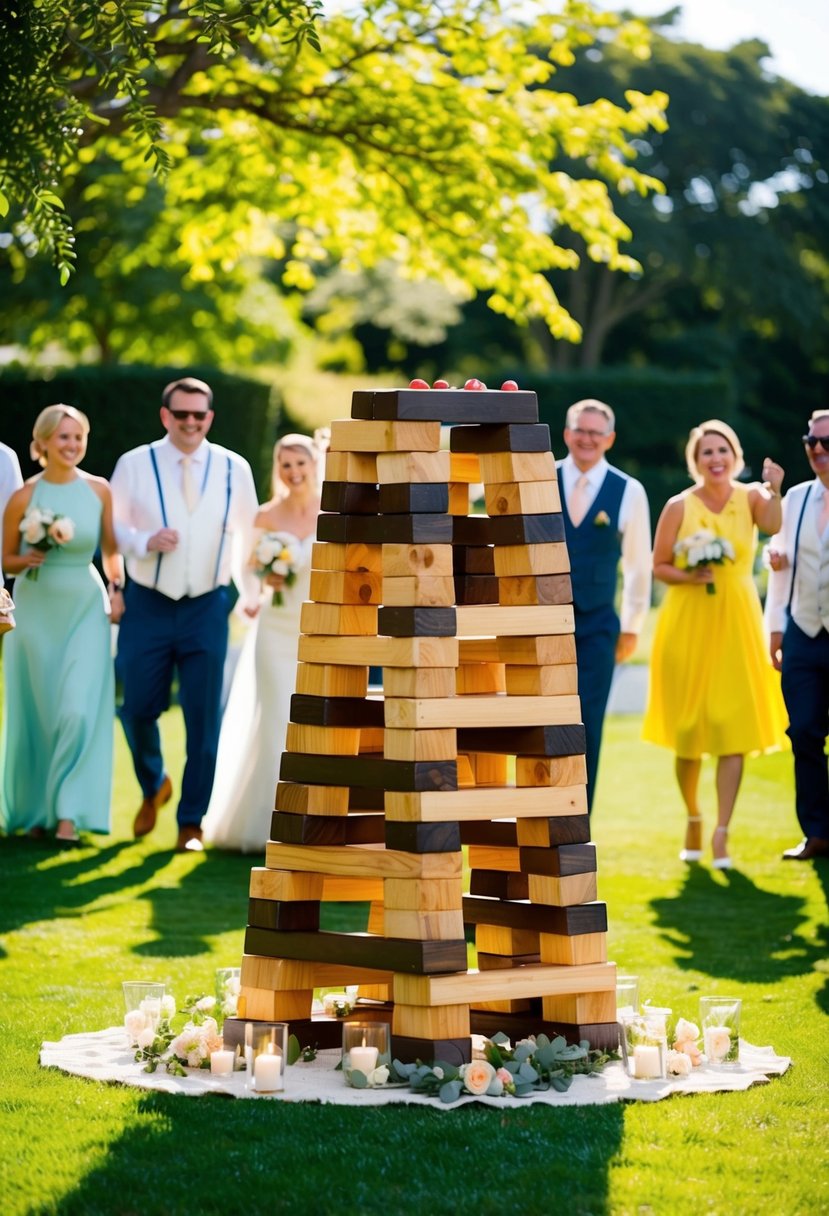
(606, 521)
(797, 617)
(184, 512)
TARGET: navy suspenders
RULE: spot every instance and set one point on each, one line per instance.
(228, 487)
(806, 498)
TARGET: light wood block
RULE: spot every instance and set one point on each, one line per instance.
(419, 681)
(380, 651)
(438, 1022)
(562, 892)
(522, 498)
(374, 992)
(342, 889)
(495, 620)
(548, 558)
(535, 589)
(459, 500)
(357, 435)
(351, 466)
(480, 711)
(480, 677)
(342, 620)
(420, 744)
(401, 561)
(432, 591)
(552, 649)
(288, 974)
(415, 895)
(573, 950)
(465, 805)
(346, 587)
(264, 1005)
(282, 885)
(362, 861)
(499, 939)
(465, 467)
(580, 1006)
(413, 467)
(521, 1005)
(466, 773)
(326, 680)
(323, 740)
(547, 681)
(535, 833)
(376, 918)
(423, 926)
(516, 466)
(490, 769)
(356, 558)
(372, 739)
(489, 857)
(500, 983)
(550, 770)
(311, 799)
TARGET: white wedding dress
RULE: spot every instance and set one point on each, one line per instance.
(255, 720)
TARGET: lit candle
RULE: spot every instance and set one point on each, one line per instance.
(221, 1062)
(646, 1062)
(364, 1059)
(266, 1070)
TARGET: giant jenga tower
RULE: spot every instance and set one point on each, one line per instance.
(474, 739)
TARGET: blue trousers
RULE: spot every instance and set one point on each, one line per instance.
(805, 686)
(158, 638)
(596, 635)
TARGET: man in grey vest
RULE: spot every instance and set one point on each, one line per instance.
(606, 521)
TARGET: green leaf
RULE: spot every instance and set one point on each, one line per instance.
(357, 1079)
(294, 1049)
(450, 1091)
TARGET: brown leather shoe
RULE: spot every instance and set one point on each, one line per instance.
(148, 811)
(189, 839)
(808, 850)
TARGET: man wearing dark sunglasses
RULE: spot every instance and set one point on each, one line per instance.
(797, 616)
(184, 512)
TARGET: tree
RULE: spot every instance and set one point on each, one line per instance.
(417, 134)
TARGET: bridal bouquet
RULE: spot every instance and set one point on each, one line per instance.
(703, 548)
(273, 555)
(41, 528)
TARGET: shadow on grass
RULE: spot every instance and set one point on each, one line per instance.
(306, 1157)
(736, 930)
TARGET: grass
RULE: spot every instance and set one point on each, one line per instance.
(74, 925)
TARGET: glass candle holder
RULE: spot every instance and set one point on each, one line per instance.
(719, 1018)
(337, 1004)
(366, 1046)
(627, 994)
(266, 1055)
(145, 996)
(645, 1045)
(228, 984)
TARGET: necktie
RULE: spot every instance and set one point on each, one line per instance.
(577, 506)
(824, 514)
(188, 484)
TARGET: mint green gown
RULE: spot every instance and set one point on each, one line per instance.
(59, 683)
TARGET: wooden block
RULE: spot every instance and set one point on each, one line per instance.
(506, 438)
(351, 466)
(264, 1006)
(419, 681)
(339, 888)
(380, 651)
(362, 798)
(466, 777)
(559, 861)
(453, 405)
(419, 895)
(520, 1005)
(548, 770)
(463, 805)
(350, 498)
(420, 744)
(495, 833)
(361, 862)
(401, 560)
(424, 590)
(259, 971)
(371, 771)
(465, 468)
(516, 713)
(355, 558)
(490, 769)
(601, 1036)
(327, 680)
(492, 857)
(447, 1021)
(536, 589)
(323, 740)
(374, 992)
(561, 830)
(446, 1051)
(491, 962)
(362, 403)
(504, 530)
(480, 678)
(516, 466)
(312, 799)
(520, 498)
(377, 918)
(513, 560)
(500, 939)
(301, 914)
(423, 837)
(562, 892)
(566, 740)
(336, 711)
(573, 951)
(580, 918)
(343, 620)
(348, 435)
(552, 649)
(415, 467)
(416, 622)
(282, 885)
(395, 529)
(423, 926)
(546, 681)
(346, 587)
(440, 991)
(524, 621)
(459, 501)
(473, 559)
(360, 950)
(580, 1007)
(403, 498)
(476, 589)
(497, 885)
(327, 829)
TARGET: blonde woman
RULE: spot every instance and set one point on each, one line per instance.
(712, 690)
(256, 717)
(59, 685)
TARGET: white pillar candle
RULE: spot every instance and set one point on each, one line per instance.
(221, 1062)
(646, 1062)
(266, 1070)
(364, 1059)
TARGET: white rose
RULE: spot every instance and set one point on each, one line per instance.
(478, 1076)
(686, 1032)
(280, 567)
(62, 530)
(33, 530)
(168, 1007)
(679, 1064)
(206, 1003)
(378, 1076)
(134, 1023)
(145, 1038)
(717, 1043)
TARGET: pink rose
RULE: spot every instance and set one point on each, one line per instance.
(62, 530)
(691, 1050)
(33, 530)
(477, 1076)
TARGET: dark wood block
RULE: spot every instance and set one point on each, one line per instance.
(567, 829)
(290, 828)
(417, 622)
(350, 498)
(362, 404)
(371, 771)
(361, 798)
(359, 950)
(456, 405)
(409, 1050)
(512, 437)
(301, 915)
(548, 589)
(571, 921)
(385, 529)
(423, 837)
(476, 589)
(524, 740)
(497, 833)
(473, 559)
(413, 497)
(507, 529)
(492, 962)
(602, 1036)
(319, 1031)
(496, 884)
(560, 861)
(307, 710)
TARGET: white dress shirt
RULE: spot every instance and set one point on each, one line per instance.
(810, 598)
(10, 479)
(635, 527)
(206, 556)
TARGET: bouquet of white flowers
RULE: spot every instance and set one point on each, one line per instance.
(274, 555)
(703, 548)
(41, 528)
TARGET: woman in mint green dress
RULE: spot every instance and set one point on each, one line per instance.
(58, 673)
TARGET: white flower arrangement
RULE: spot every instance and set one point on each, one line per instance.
(703, 548)
(42, 528)
(155, 1041)
(274, 555)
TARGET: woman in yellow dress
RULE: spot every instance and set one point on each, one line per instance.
(712, 688)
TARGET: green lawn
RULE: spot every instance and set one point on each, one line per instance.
(75, 925)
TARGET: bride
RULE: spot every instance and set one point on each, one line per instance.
(256, 717)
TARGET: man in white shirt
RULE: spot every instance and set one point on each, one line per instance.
(797, 618)
(184, 512)
(10, 480)
(606, 520)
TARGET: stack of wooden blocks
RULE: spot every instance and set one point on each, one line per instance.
(475, 738)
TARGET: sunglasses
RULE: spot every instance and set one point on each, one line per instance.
(812, 441)
(183, 415)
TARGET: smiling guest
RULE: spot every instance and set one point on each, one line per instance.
(712, 688)
(606, 520)
(184, 512)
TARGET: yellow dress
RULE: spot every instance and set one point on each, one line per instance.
(712, 688)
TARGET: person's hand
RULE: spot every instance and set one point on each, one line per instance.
(625, 646)
(700, 574)
(772, 475)
(116, 603)
(32, 558)
(251, 610)
(165, 540)
(276, 581)
(776, 650)
(776, 559)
